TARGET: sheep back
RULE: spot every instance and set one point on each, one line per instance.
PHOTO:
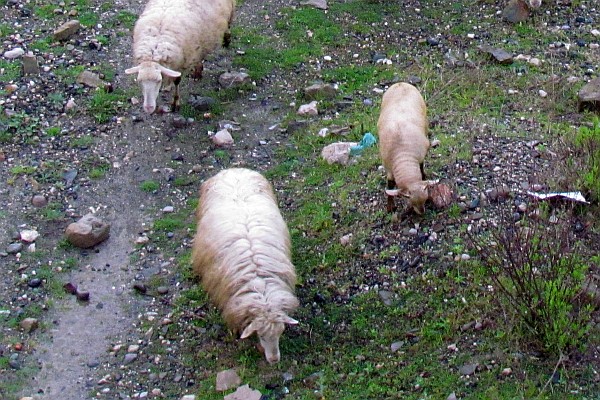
(179, 34)
(242, 248)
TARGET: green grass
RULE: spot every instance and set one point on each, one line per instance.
(149, 186)
(12, 70)
(103, 106)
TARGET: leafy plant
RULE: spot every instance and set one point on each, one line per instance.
(587, 142)
(539, 272)
(149, 186)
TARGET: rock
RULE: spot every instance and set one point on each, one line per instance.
(320, 91)
(34, 283)
(441, 195)
(14, 248)
(227, 379)
(499, 193)
(535, 61)
(66, 30)
(345, 240)
(338, 152)
(413, 80)
(244, 393)
(222, 138)
(516, 11)
(30, 64)
(500, 55)
(82, 296)
(168, 209)
(140, 287)
(468, 369)
(308, 109)
(386, 297)
(189, 397)
(14, 53)
(39, 201)
(233, 79)
(29, 235)
(69, 176)
(70, 288)
(129, 358)
(201, 103)
(91, 79)
(451, 396)
(162, 290)
(396, 346)
(87, 232)
(589, 96)
(320, 4)
(70, 105)
(506, 371)
(29, 324)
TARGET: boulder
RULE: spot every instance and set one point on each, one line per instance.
(227, 379)
(87, 232)
(589, 96)
(66, 30)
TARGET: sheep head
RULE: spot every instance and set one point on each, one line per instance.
(150, 76)
(417, 194)
(269, 328)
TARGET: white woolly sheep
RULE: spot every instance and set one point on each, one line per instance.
(174, 36)
(403, 144)
(242, 254)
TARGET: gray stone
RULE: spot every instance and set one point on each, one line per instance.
(14, 53)
(222, 138)
(91, 79)
(320, 4)
(396, 346)
(30, 65)
(14, 248)
(29, 324)
(386, 297)
(201, 103)
(338, 152)
(500, 55)
(87, 232)
(589, 95)
(516, 11)
(320, 90)
(39, 201)
(244, 393)
(129, 358)
(227, 379)
(189, 397)
(451, 396)
(308, 109)
(162, 290)
(66, 30)
(468, 369)
(233, 79)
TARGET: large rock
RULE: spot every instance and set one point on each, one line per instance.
(320, 90)
(589, 96)
(30, 64)
(234, 79)
(308, 109)
(320, 4)
(29, 324)
(87, 232)
(91, 79)
(223, 138)
(66, 30)
(500, 55)
(516, 11)
(227, 379)
(244, 393)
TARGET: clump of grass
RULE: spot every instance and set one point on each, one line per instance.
(104, 105)
(539, 271)
(587, 143)
(149, 186)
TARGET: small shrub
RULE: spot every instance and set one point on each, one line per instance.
(587, 143)
(539, 272)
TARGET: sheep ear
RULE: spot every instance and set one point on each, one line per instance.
(169, 72)
(132, 70)
(392, 192)
(250, 329)
(290, 321)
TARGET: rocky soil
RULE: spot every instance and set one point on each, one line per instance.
(114, 344)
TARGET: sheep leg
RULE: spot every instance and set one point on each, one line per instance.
(197, 72)
(175, 105)
(227, 39)
(422, 172)
(391, 206)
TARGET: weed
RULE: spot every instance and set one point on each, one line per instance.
(10, 70)
(22, 170)
(539, 272)
(53, 211)
(83, 142)
(168, 224)
(53, 131)
(149, 186)
(104, 105)
(587, 144)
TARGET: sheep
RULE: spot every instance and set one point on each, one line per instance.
(403, 145)
(241, 252)
(174, 36)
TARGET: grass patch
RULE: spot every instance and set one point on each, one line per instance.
(103, 106)
(149, 186)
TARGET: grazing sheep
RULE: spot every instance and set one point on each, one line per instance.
(403, 144)
(173, 36)
(242, 253)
